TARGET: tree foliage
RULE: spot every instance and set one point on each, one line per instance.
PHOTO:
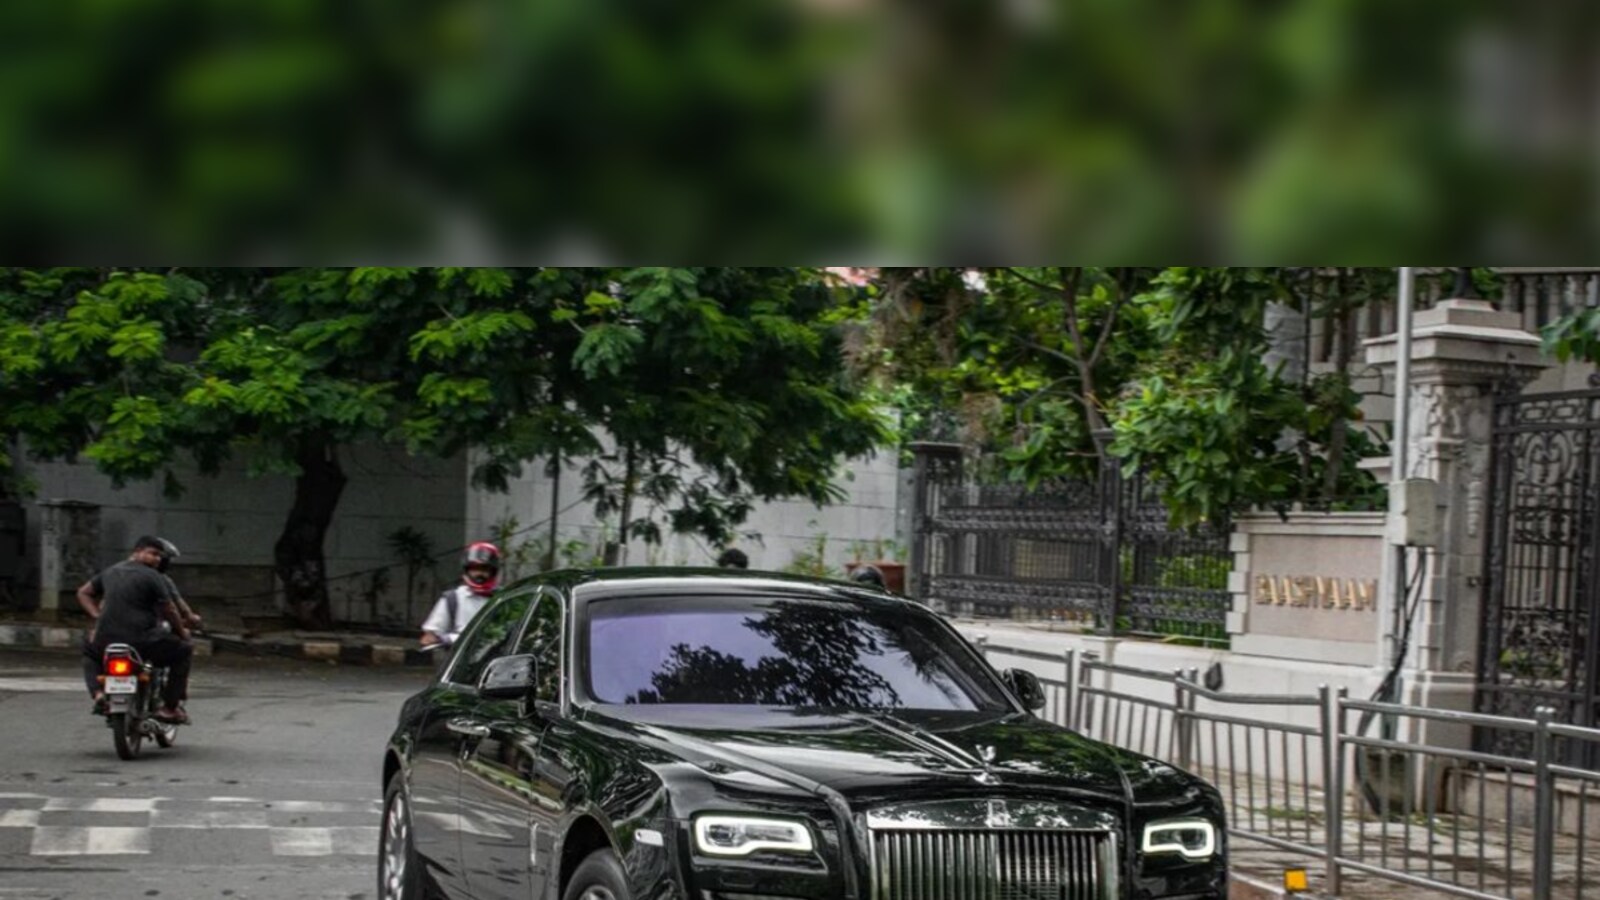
(1026, 362)
(1035, 362)
(1575, 336)
(714, 386)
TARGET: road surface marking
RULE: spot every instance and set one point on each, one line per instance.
(101, 804)
(194, 818)
(92, 840)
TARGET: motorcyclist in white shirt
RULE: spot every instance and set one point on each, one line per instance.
(480, 574)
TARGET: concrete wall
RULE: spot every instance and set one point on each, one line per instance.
(1305, 585)
(869, 514)
(226, 526)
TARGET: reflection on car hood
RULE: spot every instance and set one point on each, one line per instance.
(860, 754)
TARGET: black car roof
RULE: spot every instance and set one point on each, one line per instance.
(658, 580)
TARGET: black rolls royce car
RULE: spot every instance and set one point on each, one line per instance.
(654, 734)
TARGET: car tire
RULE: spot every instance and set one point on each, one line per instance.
(399, 873)
(599, 877)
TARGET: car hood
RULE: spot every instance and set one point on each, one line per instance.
(906, 755)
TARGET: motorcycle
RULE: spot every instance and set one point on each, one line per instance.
(133, 691)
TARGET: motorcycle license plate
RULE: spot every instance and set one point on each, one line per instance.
(122, 685)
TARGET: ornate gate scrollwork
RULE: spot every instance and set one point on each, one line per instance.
(1099, 553)
(1538, 637)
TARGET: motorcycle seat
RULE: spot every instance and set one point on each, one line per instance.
(123, 650)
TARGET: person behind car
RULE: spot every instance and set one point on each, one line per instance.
(733, 558)
(868, 575)
(480, 574)
(128, 602)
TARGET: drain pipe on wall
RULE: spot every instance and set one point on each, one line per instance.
(1392, 599)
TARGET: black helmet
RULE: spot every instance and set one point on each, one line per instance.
(733, 558)
(868, 575)
(482, 555)
(167, 549)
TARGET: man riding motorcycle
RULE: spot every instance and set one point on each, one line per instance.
(480, 574)
(128, 602)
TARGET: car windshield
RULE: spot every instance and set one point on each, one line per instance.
(806, 654)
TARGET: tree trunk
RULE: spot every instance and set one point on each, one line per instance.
(555, 512)
(298, 557)
(617, 551)
(1336, 441)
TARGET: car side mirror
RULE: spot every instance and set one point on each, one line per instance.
(1026, 686)
(508, 678)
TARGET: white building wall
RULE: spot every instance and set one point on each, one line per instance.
(782, 533)
(226, 526)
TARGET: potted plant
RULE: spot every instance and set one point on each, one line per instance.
(882, 554)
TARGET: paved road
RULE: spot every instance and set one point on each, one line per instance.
(272, 792)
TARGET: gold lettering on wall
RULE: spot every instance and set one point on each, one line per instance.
(1316, 592)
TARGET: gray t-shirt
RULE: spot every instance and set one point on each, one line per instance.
(131, 595)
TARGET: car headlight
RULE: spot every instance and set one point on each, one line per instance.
(743, 835)
(1190, 838)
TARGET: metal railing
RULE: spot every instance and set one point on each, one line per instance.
(1369, 790)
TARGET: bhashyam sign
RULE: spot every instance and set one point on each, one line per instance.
(1317, 591)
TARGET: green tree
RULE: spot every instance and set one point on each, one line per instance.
(1575, 336)
(84, 355)
(713, 388)
(1030, 361)
(735, 371)
(285, 368)
(1035, 361)
(1214, 426)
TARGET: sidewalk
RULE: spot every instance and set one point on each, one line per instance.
(349, 648)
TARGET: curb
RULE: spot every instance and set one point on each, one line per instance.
(55, 637)
(1250, 887)
(332, 652)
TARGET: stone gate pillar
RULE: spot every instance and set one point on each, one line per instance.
(69, 547)
(1463, 352)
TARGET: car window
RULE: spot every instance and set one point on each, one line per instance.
(542, 639)
(775, 652)
(490, 636)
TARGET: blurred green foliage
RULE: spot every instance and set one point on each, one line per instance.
(1115, 129)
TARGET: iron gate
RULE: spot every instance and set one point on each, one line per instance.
(1099, 552)
(1538, 640)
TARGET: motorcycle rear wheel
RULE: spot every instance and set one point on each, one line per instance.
(125, 735)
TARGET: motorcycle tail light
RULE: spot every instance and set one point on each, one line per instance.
(119, 665)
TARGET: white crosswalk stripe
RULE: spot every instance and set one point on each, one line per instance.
(198, 818)
(41, 685)
(100, 804)
(90, 840)
(133, 826)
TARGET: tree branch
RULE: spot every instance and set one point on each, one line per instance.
(1124, 282)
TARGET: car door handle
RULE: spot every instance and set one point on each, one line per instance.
(467, 728)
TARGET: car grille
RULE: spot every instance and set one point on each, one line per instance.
(935, 864)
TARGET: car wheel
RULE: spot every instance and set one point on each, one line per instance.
(397, 854)
(599, 877)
